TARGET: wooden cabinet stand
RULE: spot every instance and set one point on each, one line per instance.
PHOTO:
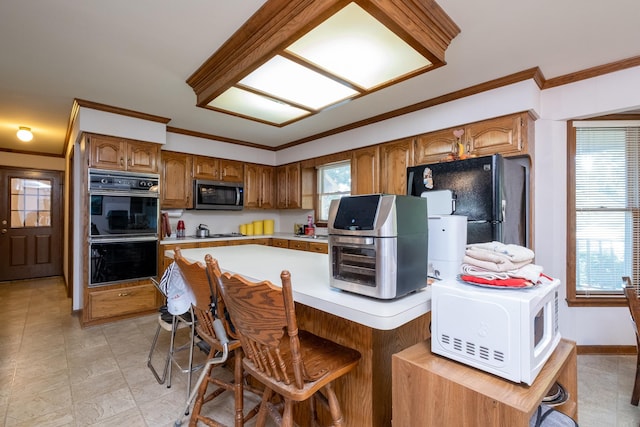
(431, 390)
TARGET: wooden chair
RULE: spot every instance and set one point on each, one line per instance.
(632, 294)
(299, 366)
(209, 306)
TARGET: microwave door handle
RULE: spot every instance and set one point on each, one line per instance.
(237, 196)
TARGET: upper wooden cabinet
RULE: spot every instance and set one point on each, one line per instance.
(289, 186)
(176, 180)
(365, 170)
(217, 169)
(507, 135)
(259, 186)
(107, 152)
(395, 157)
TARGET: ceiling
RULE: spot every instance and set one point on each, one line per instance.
(137, 55)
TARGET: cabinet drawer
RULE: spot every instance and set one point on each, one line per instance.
(116, 302)
(322, 248)
(296, 244)
(280, 243)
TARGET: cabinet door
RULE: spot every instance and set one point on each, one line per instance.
(294, 189)
(501, 135)
(267, 193)
(252, 184)
(107, 303)
(107, 153)
(365, 171)
(435, 147)
(206, 168)
(288, 183)
(176, 185)
(142, 156)
(395, 157)
(231, 170)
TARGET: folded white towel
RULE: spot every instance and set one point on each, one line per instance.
(513, 252)
(531, 272)
(502, 266)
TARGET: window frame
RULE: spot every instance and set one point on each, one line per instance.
(574, 299)
(318, 194)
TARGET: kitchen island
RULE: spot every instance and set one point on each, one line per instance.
(376, 328)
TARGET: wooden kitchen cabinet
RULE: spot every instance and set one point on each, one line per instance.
(110, 303)
(216, 169)
(280, 243)
(259, 186)
(395, 157)
(439, 391)
(107, 152)
(176, 181)
(298, 245)
(365, 170)
(288, 186)
(506, 135)
(322, 248)
(434, 147)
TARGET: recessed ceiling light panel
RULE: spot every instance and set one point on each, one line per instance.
(289, 81)
(357, 47)
(249, 104)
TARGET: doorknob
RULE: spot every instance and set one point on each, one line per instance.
(4, 230)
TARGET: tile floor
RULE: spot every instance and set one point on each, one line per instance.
(54, 373)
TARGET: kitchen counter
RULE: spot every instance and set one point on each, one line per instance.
(289, 236)
(376, 328)
(310, 280)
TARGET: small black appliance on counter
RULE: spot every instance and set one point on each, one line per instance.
(378, 244)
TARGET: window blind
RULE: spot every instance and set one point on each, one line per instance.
(607, 207)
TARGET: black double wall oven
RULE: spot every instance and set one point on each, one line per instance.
(123, 233)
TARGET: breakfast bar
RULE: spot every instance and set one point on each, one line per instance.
(376, 328)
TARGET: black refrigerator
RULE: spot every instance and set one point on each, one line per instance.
(491, 191)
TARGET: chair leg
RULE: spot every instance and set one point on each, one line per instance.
(238, 389)
(202, 390)
(159, 378)
(635, 396)
(264, 410)
(334, 406)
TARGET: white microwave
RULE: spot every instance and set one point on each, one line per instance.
(507, 332)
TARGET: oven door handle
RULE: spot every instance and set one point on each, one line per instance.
(150, 194)
(123, 239)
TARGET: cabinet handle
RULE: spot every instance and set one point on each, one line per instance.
(121, 161)
(123, 294)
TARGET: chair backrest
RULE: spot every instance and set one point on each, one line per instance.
(208, 301)
(633, 299)
(262, 313)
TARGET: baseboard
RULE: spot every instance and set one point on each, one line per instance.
(607, 349)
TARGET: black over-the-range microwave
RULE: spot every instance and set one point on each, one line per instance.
(218, 195)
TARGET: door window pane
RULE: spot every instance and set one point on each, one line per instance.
(30, 202)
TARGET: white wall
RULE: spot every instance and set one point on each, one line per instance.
(601, 95)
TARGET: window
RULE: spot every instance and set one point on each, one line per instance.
(604, 209)
(30, 203)
(334, 181)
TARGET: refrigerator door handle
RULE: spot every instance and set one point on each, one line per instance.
(504, 210)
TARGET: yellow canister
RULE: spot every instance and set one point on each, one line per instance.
(243, 229)
(258, 227)
(268, 226)
(249, 229)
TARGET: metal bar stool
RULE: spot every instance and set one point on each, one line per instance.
(172, 324)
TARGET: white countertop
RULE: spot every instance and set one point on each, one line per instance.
(279, 235)
(310, 280)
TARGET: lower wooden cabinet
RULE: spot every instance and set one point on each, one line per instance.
(439, 391)
(322, 248)
(280, 243)
(116, 302)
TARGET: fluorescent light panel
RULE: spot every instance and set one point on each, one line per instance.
(357, 47)
(249, 104)
(351, 45)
